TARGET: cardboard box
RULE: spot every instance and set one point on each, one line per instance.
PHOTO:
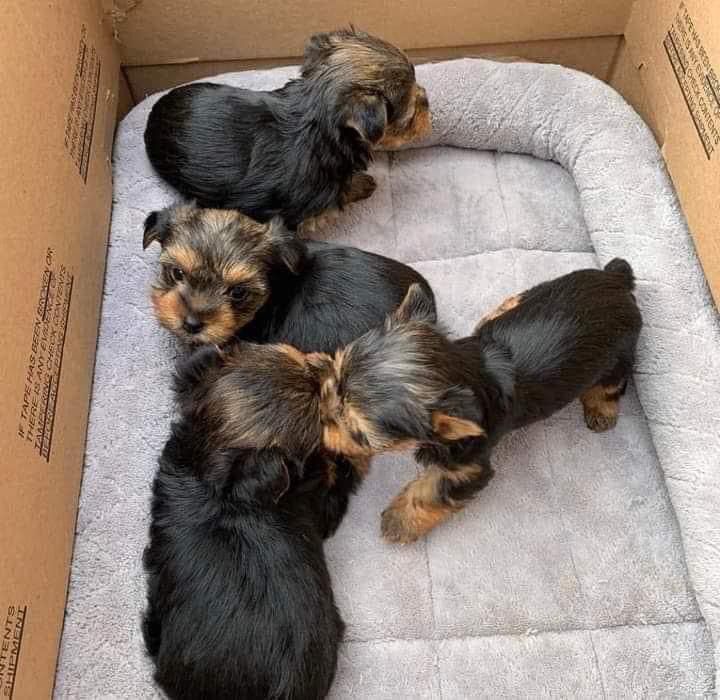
(62, 87)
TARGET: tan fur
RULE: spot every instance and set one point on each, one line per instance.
(418, 508)
(509, 304)
(454, 428)
(169, 308)
(362, 186)
(416, 125)
(220, 326)
(600, 405)
(293, 353)
(184, 257)
(239, 272)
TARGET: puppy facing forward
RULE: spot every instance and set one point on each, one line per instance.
(223, 274)
(405, 384)
(297, 151)
(240, 603)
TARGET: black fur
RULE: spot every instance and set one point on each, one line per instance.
(240, 603)
(290, 152)
(313, 295)
(340, 293)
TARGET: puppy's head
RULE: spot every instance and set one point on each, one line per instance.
(394, 388)
(374, 82)
(251, 397)
(215, 269)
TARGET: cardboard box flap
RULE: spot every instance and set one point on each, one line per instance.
(675, 46)
(218, 30)
(60, 70)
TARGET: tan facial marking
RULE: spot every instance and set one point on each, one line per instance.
(169, 308)
(238, 272)
(221, 325)
(184, 257)
(415, 125)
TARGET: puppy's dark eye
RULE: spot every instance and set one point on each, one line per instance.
(237, 293)
(177, 274)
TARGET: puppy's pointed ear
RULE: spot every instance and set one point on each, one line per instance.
(458, 415)
(287, 247)
(418, 305)
(454, 428)
(317, 48)
(157, 227)
(367, 114)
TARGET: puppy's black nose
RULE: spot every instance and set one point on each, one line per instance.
(192, 325)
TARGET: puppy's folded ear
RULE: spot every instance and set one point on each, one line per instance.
(287, 247)
(190, 371)
(418, 305)
(264, 475)
(157, 227)
(317, 49)
(458, 416)
(367, 114)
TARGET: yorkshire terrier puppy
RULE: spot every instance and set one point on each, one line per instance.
(298, 151)
(240, 603)
(223, 275)
(406, 385)
(572, 337)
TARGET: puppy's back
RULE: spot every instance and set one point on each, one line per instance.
(342, 293)
(564, 335)
(200, 138)
(239, 602)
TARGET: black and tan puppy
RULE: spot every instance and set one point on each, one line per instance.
(223, 275)
(572, 337)
(240, 603)
(406, 385)
(296, 152)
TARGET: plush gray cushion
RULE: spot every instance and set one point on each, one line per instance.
(590, 566)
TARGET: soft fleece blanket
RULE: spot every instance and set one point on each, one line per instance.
(590, 567)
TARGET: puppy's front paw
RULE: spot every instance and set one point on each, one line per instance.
(362, 187)
(599, 422)
(396, 527)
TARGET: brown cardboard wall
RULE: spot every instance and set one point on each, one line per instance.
(218, 30)
(55, 195)
(675, 47)
(593, 55)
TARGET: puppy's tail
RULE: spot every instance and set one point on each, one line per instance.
(622, 267)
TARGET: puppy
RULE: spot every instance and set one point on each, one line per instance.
(406, 385)
(224, 275)
(240, 603)
(572, 337)
(295, 152)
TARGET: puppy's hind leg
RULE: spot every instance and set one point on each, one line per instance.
(432, 498)
(601, 401)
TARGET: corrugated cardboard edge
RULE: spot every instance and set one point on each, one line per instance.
(695, 175)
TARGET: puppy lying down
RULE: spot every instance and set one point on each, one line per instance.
(296, 152)
(223, 275)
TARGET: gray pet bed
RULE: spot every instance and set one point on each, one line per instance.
(590, 567)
